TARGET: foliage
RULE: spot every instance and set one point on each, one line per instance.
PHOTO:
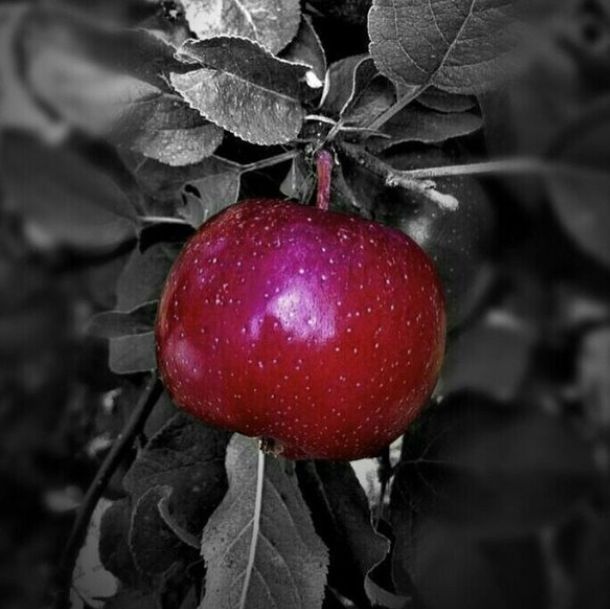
(126, 125)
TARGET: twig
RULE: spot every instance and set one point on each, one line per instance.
(79, 531)
(394, 177)
(256, 522)
(270, 161)
(163, 220)
(523, 165)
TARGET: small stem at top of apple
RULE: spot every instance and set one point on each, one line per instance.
(324, 166)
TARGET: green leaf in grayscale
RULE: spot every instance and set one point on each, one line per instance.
(300, 181)
(291, 562)
(132, 354)
(580, 200)
(243, 89)
(144, 275)
(87, 76)
(420, 125)
(112, 324)
(63, 196)
(306, 49)
(188, 457)
(154, 545)
(435, 99)
(271, 23)
(165, 129)
(206, 196)
(18, 108)
(462, 46)
(346, 80)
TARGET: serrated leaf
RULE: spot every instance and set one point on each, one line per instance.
(340, 511)
(291, 562)
(88, 76)
(306, 49)
(131, 354)
(435, 99)
(420, 125)
(167, 130)
(154, 546)
(459, 46)
(144, 275)
(271, 23)
(243, 89)
(68, 199)
(188, 457)
(113, 324)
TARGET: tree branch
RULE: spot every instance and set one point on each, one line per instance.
(116, 455)
(394, 177)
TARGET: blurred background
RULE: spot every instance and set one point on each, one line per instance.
(526, 384)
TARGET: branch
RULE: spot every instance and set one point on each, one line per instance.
(122, 445)
(270, 161)
(404, 179)
(521, 166)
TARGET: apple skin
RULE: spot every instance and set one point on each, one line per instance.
(320, 331)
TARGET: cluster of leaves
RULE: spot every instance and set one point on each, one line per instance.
(123, 128)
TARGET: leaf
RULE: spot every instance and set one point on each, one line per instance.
(131, 354)
(18, 109)
(342, 518)
(419, 125)
(244, 89)
(144, 275)
(114, 549)
(491, 471)
(165, 129)
(87, 76)
(468, 364)
(577, 189)
(271, 23)
(113, 324)
(346, 80)
(579, 198)
(460, 46)
(435, 99)
(208, 195)
(67, 199)
(306, 49)
(291, 562)
(187, 457)
(155, 547)
(165, 184)
(300, 182)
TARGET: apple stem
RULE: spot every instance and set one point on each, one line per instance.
(324, 165)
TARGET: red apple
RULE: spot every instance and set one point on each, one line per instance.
(320, 331)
